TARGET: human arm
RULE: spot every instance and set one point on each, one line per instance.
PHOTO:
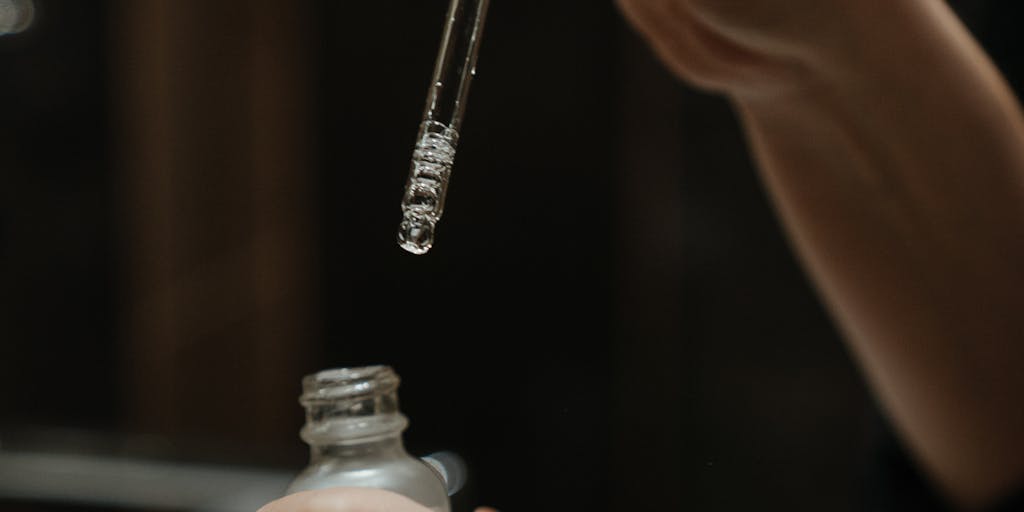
(894, 154)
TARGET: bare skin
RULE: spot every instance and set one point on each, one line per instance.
(894, 154)
(350, 499)
(344, 500)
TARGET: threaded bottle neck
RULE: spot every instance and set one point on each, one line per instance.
(351, 406)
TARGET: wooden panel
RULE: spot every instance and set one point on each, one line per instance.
(217, 214)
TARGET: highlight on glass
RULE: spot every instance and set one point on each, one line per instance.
(16, 16)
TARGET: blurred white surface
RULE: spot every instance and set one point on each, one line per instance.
(135, 482)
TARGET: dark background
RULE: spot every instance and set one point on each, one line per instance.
(610, 319)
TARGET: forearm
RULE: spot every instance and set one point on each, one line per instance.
(898, 170)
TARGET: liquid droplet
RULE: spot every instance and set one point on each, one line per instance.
(416, 235)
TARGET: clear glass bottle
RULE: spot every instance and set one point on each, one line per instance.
(354, 431)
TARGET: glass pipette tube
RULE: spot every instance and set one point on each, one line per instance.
(434, 155)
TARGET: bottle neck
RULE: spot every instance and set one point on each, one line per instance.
(377, 448)
(352, 430)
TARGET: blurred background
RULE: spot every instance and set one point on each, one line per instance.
(198, 205)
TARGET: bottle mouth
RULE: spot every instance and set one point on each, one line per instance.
(348, 384)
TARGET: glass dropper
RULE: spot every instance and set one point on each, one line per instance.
(434, 155)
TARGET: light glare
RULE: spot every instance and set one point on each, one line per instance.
(16, 16)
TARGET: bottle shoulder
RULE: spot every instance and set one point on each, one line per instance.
(404, 475)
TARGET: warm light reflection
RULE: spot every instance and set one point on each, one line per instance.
(16, 16)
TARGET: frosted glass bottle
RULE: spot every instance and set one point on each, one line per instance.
(354, 431)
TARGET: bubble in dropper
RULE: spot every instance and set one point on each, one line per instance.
(423, 202)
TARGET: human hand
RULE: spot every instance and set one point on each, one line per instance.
(348, 499)
(894, 153)
(749, 47)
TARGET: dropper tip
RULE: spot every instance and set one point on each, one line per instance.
(416, 235)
